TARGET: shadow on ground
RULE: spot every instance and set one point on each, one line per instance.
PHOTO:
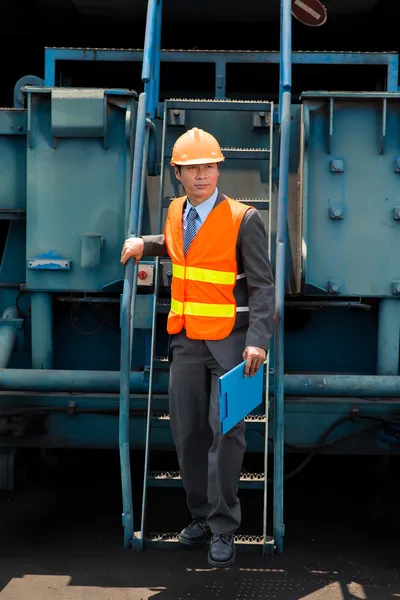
(61, 537)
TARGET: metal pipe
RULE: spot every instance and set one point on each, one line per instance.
(54, 380)
(157, 58)
(42, 330)
(343, 386)
(8, 336)
(286, 82)
(320, 385)
(316, 305)
(388, 336)
(149, 40)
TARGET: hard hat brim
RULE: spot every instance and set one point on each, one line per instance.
(197, 161)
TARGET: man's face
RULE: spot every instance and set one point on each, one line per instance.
(199, 181)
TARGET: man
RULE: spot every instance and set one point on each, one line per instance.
(222, 308)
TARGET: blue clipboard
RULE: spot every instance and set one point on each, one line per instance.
(238, 395)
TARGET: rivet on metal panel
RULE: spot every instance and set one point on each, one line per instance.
(261, 119)
(396, 213)
(336, 212)
(176, 117)
(396, 288)
(336, 165)
(335, 286)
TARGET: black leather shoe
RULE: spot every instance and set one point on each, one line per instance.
(222, 550)
(195, 534)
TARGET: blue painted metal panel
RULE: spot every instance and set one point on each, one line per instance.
(76, 187)
(350, 229)
(13, 160)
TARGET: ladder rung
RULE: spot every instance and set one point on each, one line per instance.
(163, 306)
(173, 479)
(241, 153)
(261, 203)
(12, 213)
(223, 104)
(247, 153)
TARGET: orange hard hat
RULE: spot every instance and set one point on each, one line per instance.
(196, 147)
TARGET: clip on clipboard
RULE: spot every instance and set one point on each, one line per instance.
(238, 395)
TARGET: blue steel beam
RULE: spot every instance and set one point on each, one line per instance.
(149, 41)
(221, 59)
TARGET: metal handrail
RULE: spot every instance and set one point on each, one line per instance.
(284, 111)
(144, 129)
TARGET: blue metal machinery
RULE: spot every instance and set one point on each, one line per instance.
(83, 341)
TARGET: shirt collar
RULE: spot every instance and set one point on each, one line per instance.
(204, 208)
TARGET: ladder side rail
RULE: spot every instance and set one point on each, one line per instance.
(153, 344)
(286, 85)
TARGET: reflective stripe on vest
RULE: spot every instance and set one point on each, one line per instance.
(204, 275)
(196, 309)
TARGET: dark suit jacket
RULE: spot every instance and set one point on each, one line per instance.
(256, 290)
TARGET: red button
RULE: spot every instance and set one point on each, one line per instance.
(142, 275)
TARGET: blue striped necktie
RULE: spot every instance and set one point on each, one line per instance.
(190, 232)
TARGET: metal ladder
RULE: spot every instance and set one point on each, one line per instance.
(175, 115)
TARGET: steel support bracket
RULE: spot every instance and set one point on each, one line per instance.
(176, 116)
(78, 114)
(48, 263)
(261, 119)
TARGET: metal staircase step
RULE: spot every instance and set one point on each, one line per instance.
(223, 104)
(242, 542)
(173, 479)
(249, 419)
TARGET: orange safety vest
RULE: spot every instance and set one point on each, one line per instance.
(202, 286)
